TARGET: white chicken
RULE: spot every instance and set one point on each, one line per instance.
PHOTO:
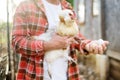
(66, 27)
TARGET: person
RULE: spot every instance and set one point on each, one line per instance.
(34, 17)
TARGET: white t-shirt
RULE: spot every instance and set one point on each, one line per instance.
(52, 13)
(59, 67)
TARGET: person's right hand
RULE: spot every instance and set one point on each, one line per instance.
(58, 42)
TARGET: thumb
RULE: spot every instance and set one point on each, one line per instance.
(106, 42)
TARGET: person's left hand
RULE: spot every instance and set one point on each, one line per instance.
(97, 46)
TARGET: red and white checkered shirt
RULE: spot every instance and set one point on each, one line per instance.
(30, 20)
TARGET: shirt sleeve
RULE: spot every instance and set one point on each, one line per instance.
(81, 46)
(21, 38)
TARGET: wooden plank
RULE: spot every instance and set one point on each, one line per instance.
(115, 74)
(113, 54)
(114, 64)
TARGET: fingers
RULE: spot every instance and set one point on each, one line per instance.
(100, 49)
(104, 47)
(89, 48)
(97, 46)
(106, 42)
(71, 40)
(96, 50)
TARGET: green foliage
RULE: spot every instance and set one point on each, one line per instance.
(71, 1)
(3, 25)
(3, 33)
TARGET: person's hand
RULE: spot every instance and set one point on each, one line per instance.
(97, 46)
(58, 42)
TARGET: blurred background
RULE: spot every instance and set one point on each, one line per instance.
(97, 19)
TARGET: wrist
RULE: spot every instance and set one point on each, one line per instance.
(83, 46)
(84, 43)
(48, 45)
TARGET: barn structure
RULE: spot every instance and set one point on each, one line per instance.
(102, 20)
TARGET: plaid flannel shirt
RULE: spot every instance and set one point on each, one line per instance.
(30, 20)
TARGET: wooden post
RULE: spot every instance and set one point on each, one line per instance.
(102, 66)
(8, 73)
(103, 28)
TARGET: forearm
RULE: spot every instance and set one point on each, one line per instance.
(25, 45)
(82, 42)
(48, 46)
